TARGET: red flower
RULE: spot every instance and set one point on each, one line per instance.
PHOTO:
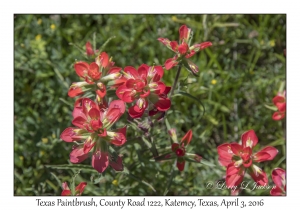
(89, 49)
(238, 158)
(92, 127)
(279, 178)
(97, 76)
(280, 102)
(144, 88)
(183, 50)
(78, 190)
(179, 150)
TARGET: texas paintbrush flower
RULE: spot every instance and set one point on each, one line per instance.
(97, 76)
(280, 102)
(183, 50)
(78, 190)
(279, 178)
(240, 158)
(92, 127)
(179, 150)
(144, 88)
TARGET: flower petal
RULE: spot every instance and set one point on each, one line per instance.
(117, 165)
(158, 73)
(174, 46)
(184, 33)
(124, 94)
(94, 72)
(225, 154)
(131, 73)
(100, 161)
(77, 155)
(78, 88)
(276, 191)
(170, 63)
(79, 189)
(278, 99)
(201, 46)
(236, 148)
(267, 153)
(187, 138)
(118, 138)
(102, 60)
(249, 139)
(258, 175)
(87, 105)
(234, 175)
(89, 49)
(163, 104)
(136, 112)
(278, 115)
(183, 48)
(143, 71)
(166, 42)
(180, 164)
(73, 134)
(279, 177)
(66, 193)
(79, 122)
(81, 69)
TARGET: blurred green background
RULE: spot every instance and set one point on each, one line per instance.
(239, 76)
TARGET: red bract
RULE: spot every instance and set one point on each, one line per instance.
(279, 178)
(280, 102)
(78, 190)
(183, 50)
(97, 76)
(144, 88)
(89, 49)
(238, 158)
(92, 127)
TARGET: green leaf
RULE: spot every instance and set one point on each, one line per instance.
(207, 163)
(192, 97)
(73, 167)
(274, 108)
(173, 174)
(105, 43)
(141, 181)
(190, 158)
(219, 106)
(78, 48)
(171, 155)
(167, 124)
(277, 143)
(57, 179)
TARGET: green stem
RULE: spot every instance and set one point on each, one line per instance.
(176, 80)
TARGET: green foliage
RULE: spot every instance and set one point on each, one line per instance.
(239, 75)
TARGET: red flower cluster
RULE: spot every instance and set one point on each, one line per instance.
(96, 75)
(78, 190)
(92, 127)
(280, 102)
(144, 88)
(183, 50)
(240, 158)
(279, 178)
